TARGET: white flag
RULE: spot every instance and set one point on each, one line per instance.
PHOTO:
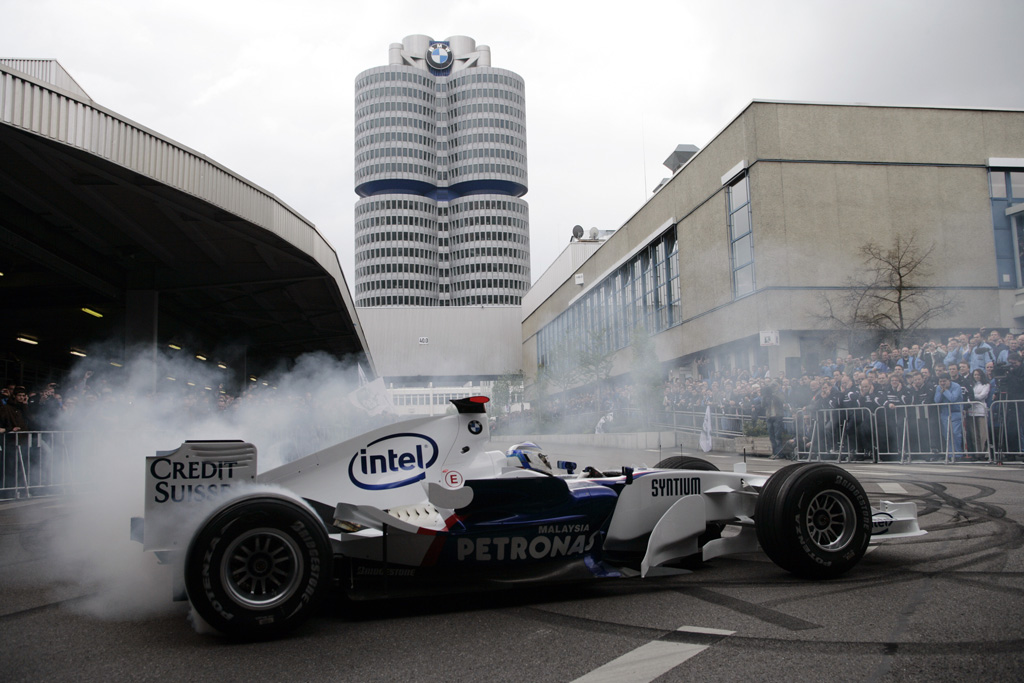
(372, 397)
(705, 433)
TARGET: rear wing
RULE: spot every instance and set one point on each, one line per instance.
(176, 481)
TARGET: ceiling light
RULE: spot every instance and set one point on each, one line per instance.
(222, 366)
(95, 314)
(77, 352)
(27, 340)
(175, 347)
(200, 356)
(116, 364)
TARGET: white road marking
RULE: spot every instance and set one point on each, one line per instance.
(649, 661)
(889, 487)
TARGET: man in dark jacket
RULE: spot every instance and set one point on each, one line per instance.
(867, 400)
(774, 408)
(923, 418)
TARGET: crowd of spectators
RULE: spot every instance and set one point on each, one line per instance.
(89, 403)
(959, 378)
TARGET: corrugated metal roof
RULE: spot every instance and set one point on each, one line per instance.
(49, 71)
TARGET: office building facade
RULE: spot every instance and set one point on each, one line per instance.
(730, 264)
(440, 170)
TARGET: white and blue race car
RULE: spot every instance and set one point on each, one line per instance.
(420, 506)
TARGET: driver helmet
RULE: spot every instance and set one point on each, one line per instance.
(528, 456)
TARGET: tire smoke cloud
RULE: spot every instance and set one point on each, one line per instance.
(118, 416)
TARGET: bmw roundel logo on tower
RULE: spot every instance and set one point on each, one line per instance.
(439, 56)
(475, 427)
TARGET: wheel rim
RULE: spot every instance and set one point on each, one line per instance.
(831, 520)
(262, 568)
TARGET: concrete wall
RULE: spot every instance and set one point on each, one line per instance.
(460, 341)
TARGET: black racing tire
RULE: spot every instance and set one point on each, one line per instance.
(258, 568)
(813, 520)
(686, 462)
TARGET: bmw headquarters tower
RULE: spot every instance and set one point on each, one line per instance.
(440, 172)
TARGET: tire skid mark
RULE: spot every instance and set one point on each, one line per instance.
(57, 604)
(750, 609)
(738, 641)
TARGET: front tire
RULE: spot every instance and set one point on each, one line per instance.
(814, 520)
(686, 462)
(258, 568)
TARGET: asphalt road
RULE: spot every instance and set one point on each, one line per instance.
(948, 606)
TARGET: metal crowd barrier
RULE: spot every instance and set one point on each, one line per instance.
(933, 432)
(38, 463)
(1006, 430)
(930, 432)
(842, 434)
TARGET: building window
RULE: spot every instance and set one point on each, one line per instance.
(741, 237)
(1007, 189)
(643, 292)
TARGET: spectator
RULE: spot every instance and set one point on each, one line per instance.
(922, 420)
(21, 405)
(1011, 346)
(868, 399)
(957, 377)
(774, 411)
(909, 361)
(891, 423)
(981, 353)
(997, 343)
(980, 400)
(949, 396)
(48, 408)
(11, 418)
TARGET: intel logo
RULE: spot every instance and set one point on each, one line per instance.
(881, 522)
(393, 461)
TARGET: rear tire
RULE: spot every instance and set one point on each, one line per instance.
(814, 520)
(686, 462)
(258, 568)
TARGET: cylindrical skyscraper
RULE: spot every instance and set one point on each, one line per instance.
(440, 171)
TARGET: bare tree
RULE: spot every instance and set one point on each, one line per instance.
(507, 390)
(561, 371)
(890, 297)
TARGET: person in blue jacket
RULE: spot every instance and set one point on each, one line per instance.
(949, 397)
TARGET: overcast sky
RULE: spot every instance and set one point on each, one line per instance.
(266, 87)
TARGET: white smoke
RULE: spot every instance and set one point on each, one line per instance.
(120, 415)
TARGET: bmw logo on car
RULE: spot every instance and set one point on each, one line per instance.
(439, 56)
(392, 462)
(475, 427)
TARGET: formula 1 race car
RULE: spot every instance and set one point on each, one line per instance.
(421, 507)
